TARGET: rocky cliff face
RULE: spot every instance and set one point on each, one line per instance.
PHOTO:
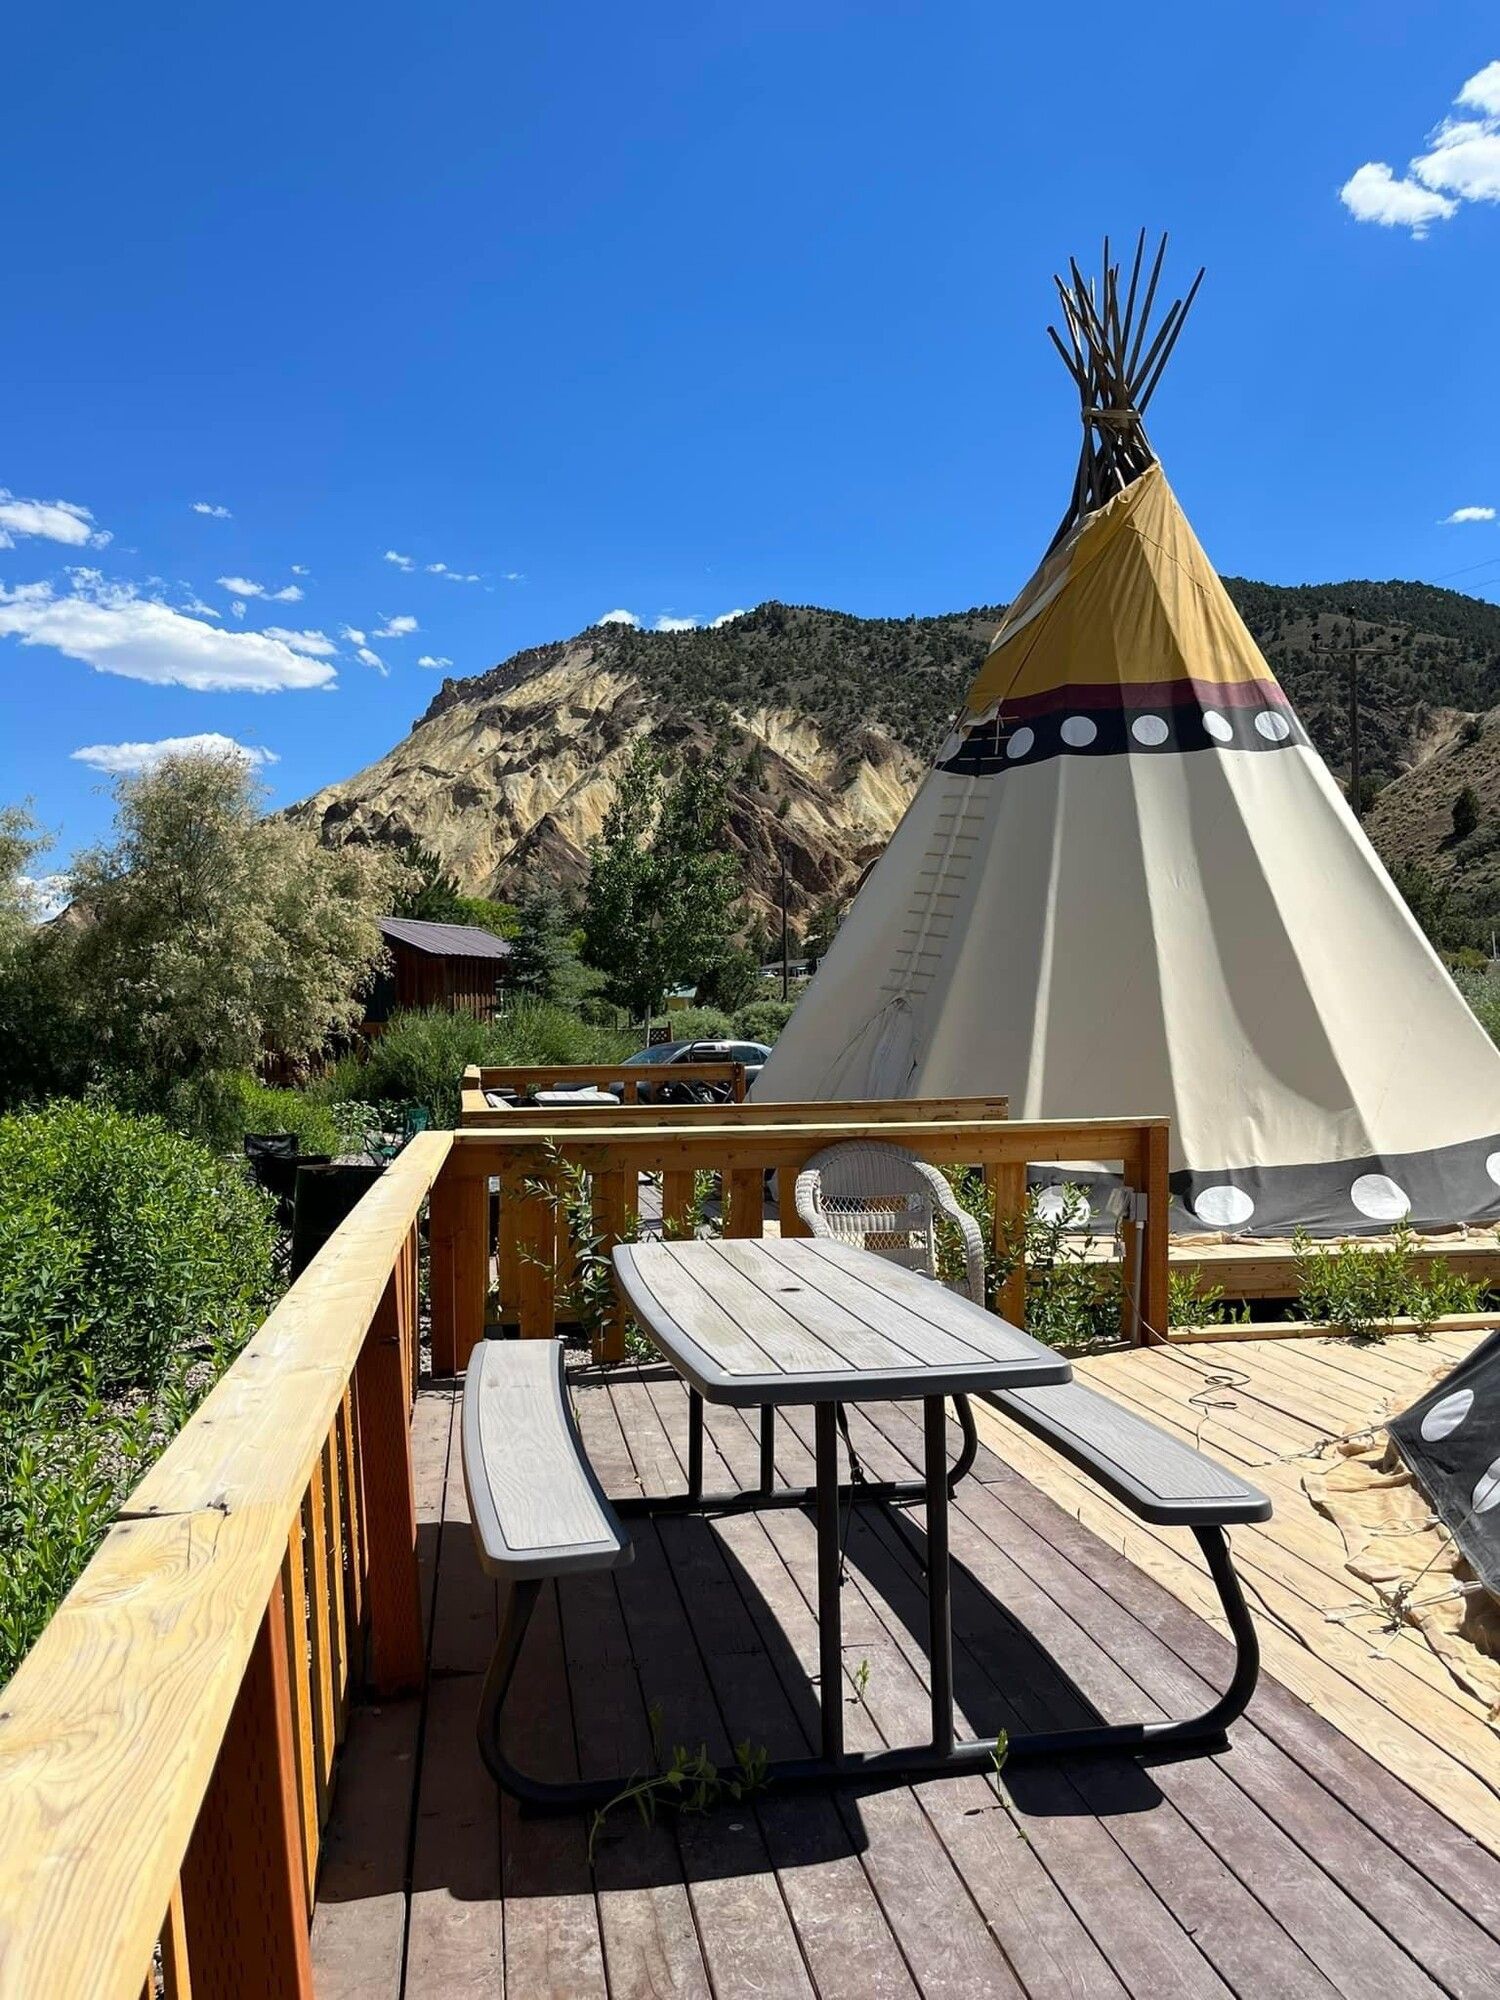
(834, 718)
(510, 775)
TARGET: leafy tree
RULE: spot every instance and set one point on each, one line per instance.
(1466, 812)
(424, 888)
(733, 982)
(660, 906)
(209, 933)
(544, 957)
(821, 932)
(21, 840)
(501, 920)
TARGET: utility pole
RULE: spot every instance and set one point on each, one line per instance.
(787, 957)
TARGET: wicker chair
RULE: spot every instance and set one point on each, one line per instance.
(884, 1199)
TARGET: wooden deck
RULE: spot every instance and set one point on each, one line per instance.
(1295, 1864)
(1269, 1409)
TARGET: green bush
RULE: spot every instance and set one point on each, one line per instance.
(121, 1245)
(1360, 1288)
(421, 1057)
(1482, 991)
(220, 1110)
(699, 1024)
(763, 1020)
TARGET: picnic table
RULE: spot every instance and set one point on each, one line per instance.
(775, 1323)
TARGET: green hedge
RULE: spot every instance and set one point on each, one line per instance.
(121, 1243)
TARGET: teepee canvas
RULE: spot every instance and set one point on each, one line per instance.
(1130, 886)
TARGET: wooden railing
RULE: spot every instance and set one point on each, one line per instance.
(629, 1077)
(533, 1253)
(168, 1747)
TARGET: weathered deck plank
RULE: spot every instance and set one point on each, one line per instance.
(1294, 1864)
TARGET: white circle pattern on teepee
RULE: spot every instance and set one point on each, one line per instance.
(1492, 1168)
(1020, 742)
(1078, 731)
(1149, 729)
(1218, 726)
(1444, 1418)
(1487, 1491)
(1223, 1206)
(1377, 1196)
(1052, 1204)
(1275, 728)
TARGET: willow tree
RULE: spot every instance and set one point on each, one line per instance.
(206, 933)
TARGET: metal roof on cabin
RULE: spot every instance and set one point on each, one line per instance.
(444, 940)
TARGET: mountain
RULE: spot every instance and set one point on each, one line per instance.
(834, 719)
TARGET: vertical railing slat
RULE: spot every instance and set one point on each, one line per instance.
(338, 1624)
(678, 1188)
(610, 1226)
(390, 1512)
(744, 1192)
(244, 1897)
(325, 1718)
(299, 1674)
(460, 1263)
(176, 1972)
(1006, 1181)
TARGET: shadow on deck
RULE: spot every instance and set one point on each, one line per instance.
(1292, 1865)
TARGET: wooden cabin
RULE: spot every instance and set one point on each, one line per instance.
(455, 966)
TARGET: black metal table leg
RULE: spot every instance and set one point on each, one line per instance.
(767, 1447)
(830, 1634)
(939, 1580)
(695, 1447)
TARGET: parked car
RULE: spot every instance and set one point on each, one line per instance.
(751, 1054)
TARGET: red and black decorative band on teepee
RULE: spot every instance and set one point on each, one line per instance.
(1150, 719)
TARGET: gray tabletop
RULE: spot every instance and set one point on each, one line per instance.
(783, 1320)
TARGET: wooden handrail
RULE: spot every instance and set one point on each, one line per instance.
(741, 1144)
(480, 1116)
(167, 1746)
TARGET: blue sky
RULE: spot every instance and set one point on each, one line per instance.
(672, 309)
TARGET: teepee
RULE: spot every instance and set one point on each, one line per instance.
(1129, 885)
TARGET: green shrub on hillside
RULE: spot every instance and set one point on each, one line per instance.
(1482, 991)
(122, 1244)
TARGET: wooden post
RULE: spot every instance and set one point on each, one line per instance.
(244, 1899)
(460, 1265)
(677, 1190)
(536, 1238)
(744, 1202)
(610, 1211)
(393, 1591)
(1156, 1236)
(1007, 1186)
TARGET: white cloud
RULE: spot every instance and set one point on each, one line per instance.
(1467, 514)
(1482, 92)
(667, 623)
(1462, 163)
(242, 586)
(727, 617)
(300, 569)
(318, 644)
(238, 607)
(369, 659)
(214, 513)
(395, 628)
(433, 660)
(401, 562)
(110, 627)
(114, 758)
(618, 618)
(196, 606)
(515, 576)
(53, 520)
(453, 575)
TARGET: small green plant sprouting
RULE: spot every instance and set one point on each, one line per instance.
(1359, 1289)
(861, 1679)
(1192, 1301)
(999, 1756)
(689, 1780)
